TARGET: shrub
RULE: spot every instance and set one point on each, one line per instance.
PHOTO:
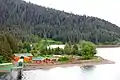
(63, 59)
(87, 49)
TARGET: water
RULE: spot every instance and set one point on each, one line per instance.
(8, 76)
(98, 72)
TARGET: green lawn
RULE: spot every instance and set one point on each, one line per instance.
(6, 66)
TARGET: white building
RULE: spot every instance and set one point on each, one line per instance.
(56, 46)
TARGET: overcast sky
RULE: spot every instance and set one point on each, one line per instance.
(105, 9)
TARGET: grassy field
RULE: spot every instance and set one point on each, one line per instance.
(6, 67)
(43, 43)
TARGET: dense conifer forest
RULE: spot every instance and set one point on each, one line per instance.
(25, 21)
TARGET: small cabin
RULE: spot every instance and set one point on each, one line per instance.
(27, 56)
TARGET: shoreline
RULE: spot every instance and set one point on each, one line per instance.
(80, 63)
(107, 46)
(4, 71)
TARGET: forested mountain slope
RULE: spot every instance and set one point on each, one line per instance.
(24, 20)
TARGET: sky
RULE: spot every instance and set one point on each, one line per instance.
(104, 9)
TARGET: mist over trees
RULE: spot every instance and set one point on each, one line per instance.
(27, 20)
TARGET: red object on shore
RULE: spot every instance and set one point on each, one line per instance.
(16, 58)
(27, 56)
(27, 59)
(37, 62)
(30, 57)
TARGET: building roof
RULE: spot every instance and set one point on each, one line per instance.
(57, 55)
(55, 46)
(23, 54)
(37, 58)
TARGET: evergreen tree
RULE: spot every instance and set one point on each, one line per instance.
(68, 48)
(5, 48)
(75, 50)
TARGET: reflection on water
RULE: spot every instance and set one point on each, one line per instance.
(98, 72)
(8, 76)
(87, 68)
(3, 73)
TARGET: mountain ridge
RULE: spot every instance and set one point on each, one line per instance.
(24, 20)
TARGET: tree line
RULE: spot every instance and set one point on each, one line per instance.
(9, 46)
(85, 49)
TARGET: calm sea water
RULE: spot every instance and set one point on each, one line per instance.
(98, 72)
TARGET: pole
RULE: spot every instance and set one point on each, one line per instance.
(19, 77)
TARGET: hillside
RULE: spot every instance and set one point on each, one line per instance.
(24, 20)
